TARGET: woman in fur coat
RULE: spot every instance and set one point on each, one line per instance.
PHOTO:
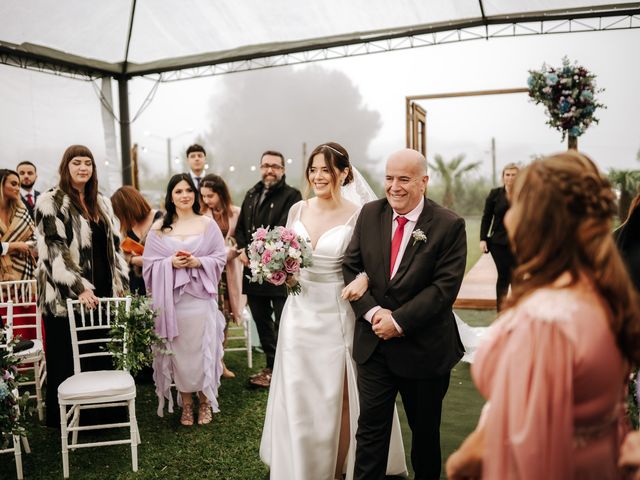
(79, 258)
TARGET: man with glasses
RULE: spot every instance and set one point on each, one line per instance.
(266, 205)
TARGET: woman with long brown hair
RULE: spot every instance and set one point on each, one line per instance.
(555, 364)
(79, 258)
(217, 201)
(17, 231)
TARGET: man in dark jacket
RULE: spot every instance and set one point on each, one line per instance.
(266, 205)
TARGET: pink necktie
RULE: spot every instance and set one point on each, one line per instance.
(397, 240)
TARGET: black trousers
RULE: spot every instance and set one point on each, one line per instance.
(505, 263)
(266, 312)
(59, 363)
(422, 399)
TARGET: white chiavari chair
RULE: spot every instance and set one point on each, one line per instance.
(95, 389)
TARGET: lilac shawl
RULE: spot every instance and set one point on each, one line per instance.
(167, 284)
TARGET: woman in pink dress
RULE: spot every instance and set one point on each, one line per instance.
(554, 365)
(217, 200)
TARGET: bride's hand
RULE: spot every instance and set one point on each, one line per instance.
(466, 462)
(356, 288)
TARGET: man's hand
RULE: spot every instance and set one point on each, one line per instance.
(383, 326)
(484, 248)
(243, 258)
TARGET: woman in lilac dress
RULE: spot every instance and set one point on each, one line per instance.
(182, 263)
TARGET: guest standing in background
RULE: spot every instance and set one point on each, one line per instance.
(197, 160)
(628, 240)
(183, 260)
(217, 201)
(28, 175)
(79, 258)
(17, 252)
(266, 205)
(136, 217)
(17, 231)
(554, 366)
(497, 242)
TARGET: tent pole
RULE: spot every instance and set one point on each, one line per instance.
(125, 130)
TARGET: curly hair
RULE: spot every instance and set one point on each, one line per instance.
(561, 211)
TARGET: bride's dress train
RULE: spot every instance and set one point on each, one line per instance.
(313, 358)
(471, 338)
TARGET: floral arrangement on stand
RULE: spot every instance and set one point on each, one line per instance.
(277, 255)
(568, 94)
(136, 330)
(13, 408)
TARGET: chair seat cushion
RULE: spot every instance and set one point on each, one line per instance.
(34, 351)
(101, 383)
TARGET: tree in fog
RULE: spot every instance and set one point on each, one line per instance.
(280, 109)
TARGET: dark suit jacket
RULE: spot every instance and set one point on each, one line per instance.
(495, 208)
(271, 212)
(31, 210)
(420, 295)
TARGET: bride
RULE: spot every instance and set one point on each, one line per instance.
(312, 411)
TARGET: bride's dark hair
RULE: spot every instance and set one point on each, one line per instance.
(336, 157)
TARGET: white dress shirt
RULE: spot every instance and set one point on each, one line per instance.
(412, 219)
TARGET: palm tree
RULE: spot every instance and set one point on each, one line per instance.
(451, 173)
(628, 183)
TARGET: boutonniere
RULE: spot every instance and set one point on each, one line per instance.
(418, 236)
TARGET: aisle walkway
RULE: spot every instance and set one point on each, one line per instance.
(478, 289)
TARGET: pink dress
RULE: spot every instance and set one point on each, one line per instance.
(554, 380)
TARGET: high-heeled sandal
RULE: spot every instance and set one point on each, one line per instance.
(186, 418)
(226, 373)
(205, 414)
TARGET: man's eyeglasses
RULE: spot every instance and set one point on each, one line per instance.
(272, 166)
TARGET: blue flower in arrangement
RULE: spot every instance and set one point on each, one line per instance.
(552, 79)
(568, 93)
(586, 95)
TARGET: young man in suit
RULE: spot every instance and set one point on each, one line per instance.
(28, 175)
(406, 340)
(266, 205)
(197, 160)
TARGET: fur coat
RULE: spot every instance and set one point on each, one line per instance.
(65, 251)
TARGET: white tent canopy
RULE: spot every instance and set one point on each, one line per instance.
(171, 40)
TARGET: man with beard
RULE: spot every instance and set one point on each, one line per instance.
(266, 205)
(28, 176)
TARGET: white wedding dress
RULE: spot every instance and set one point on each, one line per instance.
(302, 424)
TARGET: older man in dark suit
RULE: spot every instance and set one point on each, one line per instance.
(406, 340)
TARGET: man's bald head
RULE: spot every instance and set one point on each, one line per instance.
(405, 179)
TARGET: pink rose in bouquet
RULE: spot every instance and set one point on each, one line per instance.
(278, 278)
(261, 234)
(291, 265)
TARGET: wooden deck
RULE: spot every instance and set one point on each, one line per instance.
(478, 291)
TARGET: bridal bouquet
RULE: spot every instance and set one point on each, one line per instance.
(277, 255)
